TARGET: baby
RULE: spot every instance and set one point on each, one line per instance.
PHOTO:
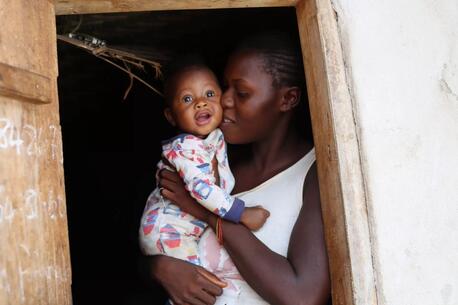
(198, 154)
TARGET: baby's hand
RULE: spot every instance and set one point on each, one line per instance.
(254, 217)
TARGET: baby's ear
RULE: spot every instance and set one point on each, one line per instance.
(169, 116)
(290, 98)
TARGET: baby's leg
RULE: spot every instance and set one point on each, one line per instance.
(165, 229)
(179, 245)
(179, 234)
(150, 224)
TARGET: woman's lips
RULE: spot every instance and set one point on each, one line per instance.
(203, 118)
(228, 120)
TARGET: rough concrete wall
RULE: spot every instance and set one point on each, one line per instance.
(402, 64)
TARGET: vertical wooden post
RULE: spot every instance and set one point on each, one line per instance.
(34, 249)
(339, 165)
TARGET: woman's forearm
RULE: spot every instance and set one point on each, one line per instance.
(302, 278)
(271, 275)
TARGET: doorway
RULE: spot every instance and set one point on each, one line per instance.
(28, 95)
(111, 145)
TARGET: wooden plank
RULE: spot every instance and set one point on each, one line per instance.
(24, 85)
(68, 7)
(338, 159)
(24, 36)
(34, 248)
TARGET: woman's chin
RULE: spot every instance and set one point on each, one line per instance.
(232, 136)
(227, 130)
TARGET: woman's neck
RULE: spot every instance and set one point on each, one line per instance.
(282, 148)
(265, 159)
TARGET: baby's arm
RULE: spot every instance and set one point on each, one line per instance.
(195, 170)
(200, 183)
(251, 217)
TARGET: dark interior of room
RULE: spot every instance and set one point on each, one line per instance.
(111, 145)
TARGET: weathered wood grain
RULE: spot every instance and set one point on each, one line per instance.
(24, 85)
(67, 7)
(339, 165)
(34, 249)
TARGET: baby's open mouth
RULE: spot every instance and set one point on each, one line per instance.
(203, 117)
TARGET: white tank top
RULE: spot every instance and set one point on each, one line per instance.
(282, 195)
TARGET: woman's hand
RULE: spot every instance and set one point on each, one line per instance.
(186, 283)
(174, 190)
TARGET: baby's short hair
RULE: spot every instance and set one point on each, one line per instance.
(177, 67)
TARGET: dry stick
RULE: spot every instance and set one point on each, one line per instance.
(130, 83)
(104, 52)
(139, 65)
(131, 55)
(121, 55)
(131, 74)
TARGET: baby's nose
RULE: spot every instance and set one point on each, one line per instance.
(201, 104)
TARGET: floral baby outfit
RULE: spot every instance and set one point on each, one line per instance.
(164, 228)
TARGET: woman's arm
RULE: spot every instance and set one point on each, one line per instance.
(302, 277)
(185, 283)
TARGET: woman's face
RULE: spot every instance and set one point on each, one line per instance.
(250, 101)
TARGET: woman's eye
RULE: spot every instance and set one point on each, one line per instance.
(187, 99)
(210, 93)
(242, 94)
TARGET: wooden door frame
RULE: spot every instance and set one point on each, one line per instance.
(343, 195)
(34, 249)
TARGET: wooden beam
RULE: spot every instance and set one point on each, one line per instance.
(340, 173)
(69, 7)
(34, 246)
(24, 85)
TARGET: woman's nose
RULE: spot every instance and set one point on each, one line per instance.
(227, 100)
(201, 104)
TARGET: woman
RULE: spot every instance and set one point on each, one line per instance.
(285, 262)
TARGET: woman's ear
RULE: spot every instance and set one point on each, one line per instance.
(290, 98)
(169, 116)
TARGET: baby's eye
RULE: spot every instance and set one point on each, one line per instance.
(187, 99)
(210, 93)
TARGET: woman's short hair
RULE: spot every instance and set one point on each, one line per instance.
(282, 55)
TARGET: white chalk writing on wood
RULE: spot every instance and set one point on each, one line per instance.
(4, 284)
(30, 140)
(9, 136)
(53, 206)
(48, 272)
(31, 204)
(33, 148)
(7, 210)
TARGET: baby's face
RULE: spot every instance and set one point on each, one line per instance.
(195, 106)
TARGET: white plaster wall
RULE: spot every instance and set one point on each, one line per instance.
(402, 63)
